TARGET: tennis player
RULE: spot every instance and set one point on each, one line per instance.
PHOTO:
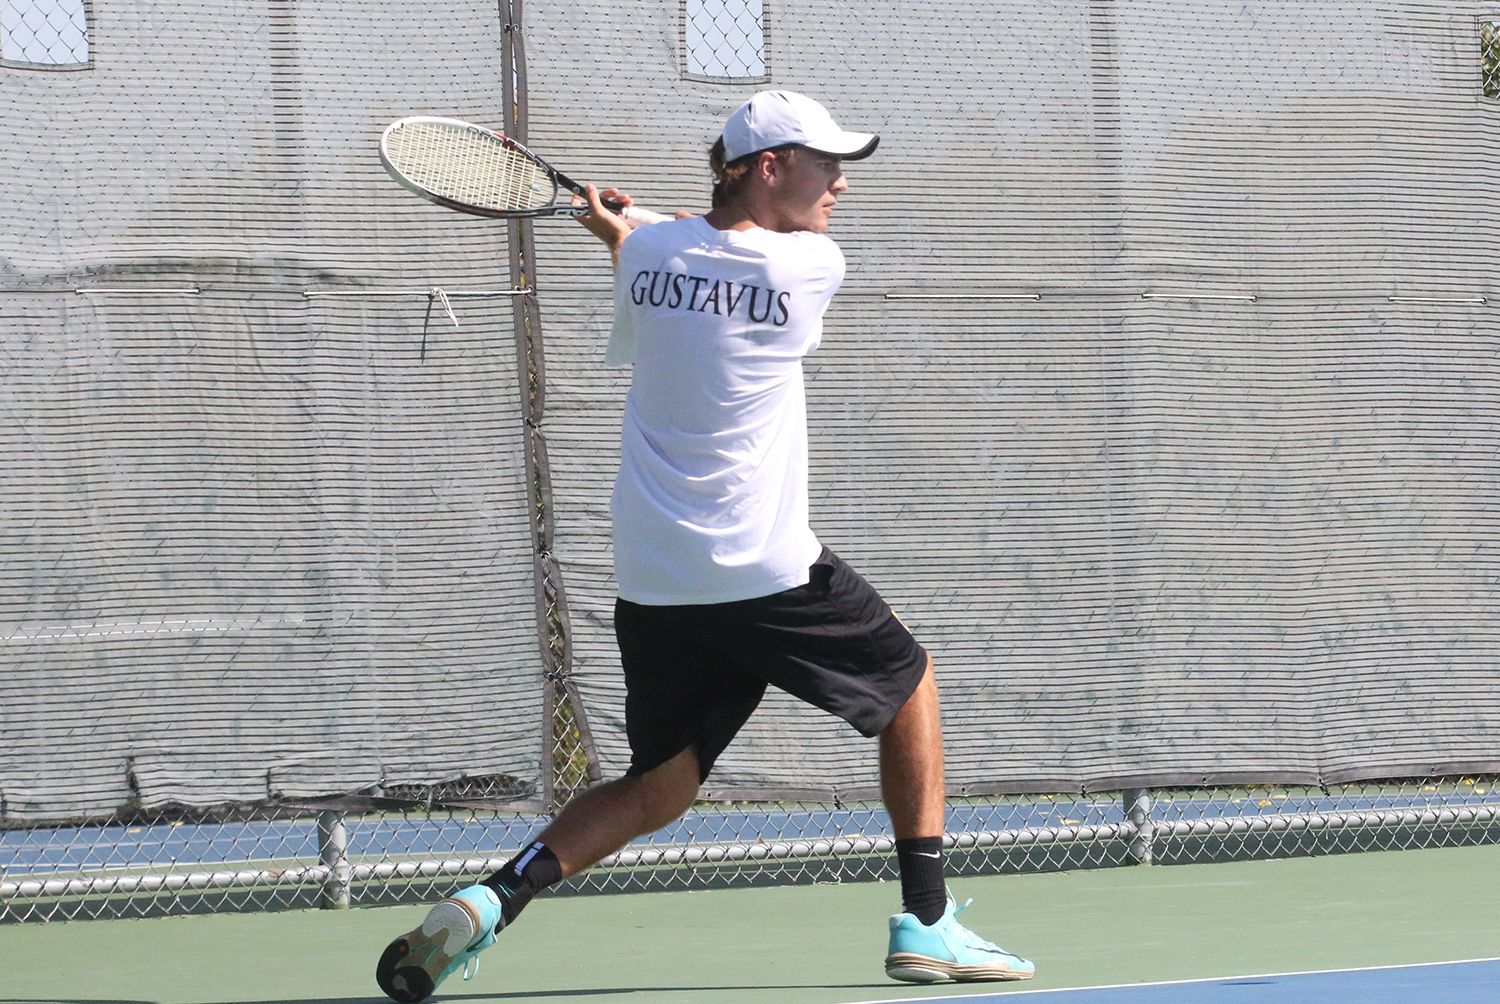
(723, 587)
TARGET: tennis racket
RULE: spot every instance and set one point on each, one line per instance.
(481, 172)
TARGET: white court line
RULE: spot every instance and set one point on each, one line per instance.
(1168, 983)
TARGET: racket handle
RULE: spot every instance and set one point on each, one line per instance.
(640, 217)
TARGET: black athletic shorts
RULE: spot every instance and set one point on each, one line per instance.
(694, 673)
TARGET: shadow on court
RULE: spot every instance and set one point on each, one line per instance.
(439, 998)
(614, 991)
(65, 1000)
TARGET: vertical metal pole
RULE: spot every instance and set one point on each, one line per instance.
(333, 853)
(561, 709)
(526, 320)
(1137, 805)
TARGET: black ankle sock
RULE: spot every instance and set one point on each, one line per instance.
(523, 876)
(923, 894)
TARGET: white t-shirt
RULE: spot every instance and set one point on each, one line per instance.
(711, 500)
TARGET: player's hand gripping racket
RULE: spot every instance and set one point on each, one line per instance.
(478, 171)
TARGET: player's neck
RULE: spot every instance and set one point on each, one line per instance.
(749, 213)
(733, 217)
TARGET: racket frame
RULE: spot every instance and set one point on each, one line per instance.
(559, 180)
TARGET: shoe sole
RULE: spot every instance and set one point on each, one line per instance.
(451, 919)
(910, 967)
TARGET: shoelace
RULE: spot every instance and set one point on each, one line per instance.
(973, 940)
(471, 967)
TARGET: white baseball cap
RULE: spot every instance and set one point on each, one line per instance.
(780, 118)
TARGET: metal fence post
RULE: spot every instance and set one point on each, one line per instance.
(333, 853)
(1137, 805)
(569, 761)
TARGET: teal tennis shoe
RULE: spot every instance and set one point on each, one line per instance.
(450, 938)
(948, 951)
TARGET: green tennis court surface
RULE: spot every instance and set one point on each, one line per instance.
(824, 944)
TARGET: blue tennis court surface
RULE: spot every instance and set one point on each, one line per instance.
(1474, 982)
(115, 846)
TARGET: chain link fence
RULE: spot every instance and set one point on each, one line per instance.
(1489, 57)
(725, 40)
(1190, 827)
(49, 34)
(411, 846)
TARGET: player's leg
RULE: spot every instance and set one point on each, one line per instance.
(927, 943)
(601, 820)
(911, 764)
(911, 783)
(682, 708)
(836, 644)
(592, 825)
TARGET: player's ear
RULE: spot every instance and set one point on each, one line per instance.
(768, 166)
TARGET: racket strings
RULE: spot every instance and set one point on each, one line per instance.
(469, 166)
